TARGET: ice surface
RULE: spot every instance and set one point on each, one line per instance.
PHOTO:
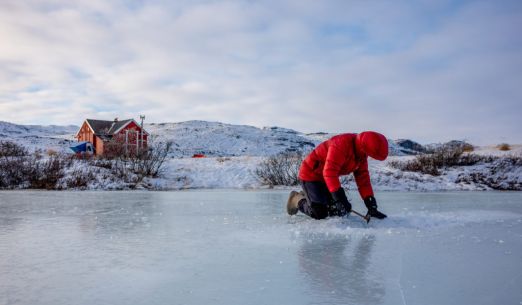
(239, 247)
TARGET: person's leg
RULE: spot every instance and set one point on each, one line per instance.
(318, 199)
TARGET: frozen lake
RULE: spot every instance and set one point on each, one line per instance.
(240, 247)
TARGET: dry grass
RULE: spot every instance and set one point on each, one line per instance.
(504, 147)
(52, 153)
(468, 148)
(222, 159)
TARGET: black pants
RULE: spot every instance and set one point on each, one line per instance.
(319, 202)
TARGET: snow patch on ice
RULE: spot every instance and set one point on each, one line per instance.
(396, 223)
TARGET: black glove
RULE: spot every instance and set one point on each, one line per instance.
(371, 204)
(341, 201)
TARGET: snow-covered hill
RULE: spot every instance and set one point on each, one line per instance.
(218, 139)
(33, 137)
(212, 139)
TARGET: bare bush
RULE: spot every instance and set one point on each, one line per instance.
(15, 165)
(51, 152)
(103, 163)
(12, 149)
(149, 163)
(18, 169)
(46, 173)
(442, 157)
(31, 171)
(280, 169)
(496, 175)
(468, 148)
(13, 171)
(504, 147)
(133, 165)
(114, 149)
(80, 178)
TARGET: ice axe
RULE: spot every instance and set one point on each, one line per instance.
(366, 218)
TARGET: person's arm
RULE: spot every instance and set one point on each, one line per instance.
(332, 167)
(362, 179)
(331, 170)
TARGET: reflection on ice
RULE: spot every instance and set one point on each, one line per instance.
(338, 269)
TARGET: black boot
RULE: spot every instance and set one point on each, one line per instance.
(371, 204)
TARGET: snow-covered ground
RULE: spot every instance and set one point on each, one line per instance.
(33, 137)
(239, 172)
(220, 172)
(216, 139)
(233, 152)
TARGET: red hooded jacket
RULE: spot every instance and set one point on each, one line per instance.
(344, 154)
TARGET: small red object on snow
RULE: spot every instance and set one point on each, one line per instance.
(198, 156)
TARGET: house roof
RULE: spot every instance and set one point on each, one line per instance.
(108, 128)
(100, 127)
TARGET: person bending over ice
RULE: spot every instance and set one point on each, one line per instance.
(322, 194)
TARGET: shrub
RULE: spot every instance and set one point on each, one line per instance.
(80, 178)
(51, 152)
(46, 173)
(222, 159)
(12, 149)
(15, 165)
(31, 171)
(18, 169)
(103, 163)
(468, 147)
(280, 169)
(132, 166)
(496, 175)
(442, 157)
(13, 171)
(113, 150)
(148, 162)
(504, 147)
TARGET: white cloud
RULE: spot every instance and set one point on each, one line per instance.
(430, 72)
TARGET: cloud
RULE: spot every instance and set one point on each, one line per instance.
(428, 70)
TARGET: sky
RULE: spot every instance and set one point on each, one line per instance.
(428, 70)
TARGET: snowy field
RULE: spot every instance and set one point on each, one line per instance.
(239, 247)
(239, 173)
(233, 152)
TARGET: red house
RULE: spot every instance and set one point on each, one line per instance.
(126, 134)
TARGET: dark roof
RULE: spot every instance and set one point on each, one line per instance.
(101, 127)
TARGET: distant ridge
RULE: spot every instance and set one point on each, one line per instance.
(212, 139)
